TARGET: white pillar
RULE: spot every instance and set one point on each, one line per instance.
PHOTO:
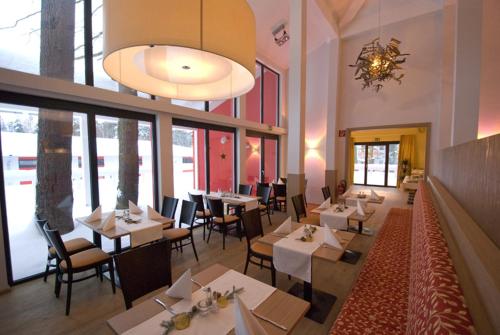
(467, 71)
(165, 155)
(331, 126)
(296, 99)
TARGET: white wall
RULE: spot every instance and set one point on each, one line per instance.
(316, 116)
(416, 100)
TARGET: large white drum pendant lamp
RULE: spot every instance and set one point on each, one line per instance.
(182, 49)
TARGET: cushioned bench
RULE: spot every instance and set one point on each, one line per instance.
(408, 284)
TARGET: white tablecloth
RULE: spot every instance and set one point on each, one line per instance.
(255, 292)
(335, 220)
(294, 257)
(248, 202)
(143, 232)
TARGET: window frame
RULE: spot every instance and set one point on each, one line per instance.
(91, 111)
(262, 137)
(386, 176)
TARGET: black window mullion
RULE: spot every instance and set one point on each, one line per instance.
(366, 164)
(207, 160)
(261, 93)
(156, 187)
(5, 226)
(262, 159)
(386, 164)
(88, 45)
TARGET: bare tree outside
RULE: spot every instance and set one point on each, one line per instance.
(128, 166)
(54, 192)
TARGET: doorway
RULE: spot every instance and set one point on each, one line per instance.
(376, 163)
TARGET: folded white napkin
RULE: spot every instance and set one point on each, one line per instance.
(285, 227)
(152, 214)
(326, 204)
(95, 216)
(182, 288)
(359, 208)
(331, 239)
(280, 182)
(245, 321)
(133, 208)
(374, 195)
(109, 223)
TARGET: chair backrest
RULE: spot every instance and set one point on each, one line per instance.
(299, 206)
(169, 207)
(188, 212)
(40, 223)
(244, 189)
(279, 190)
(326, 192)
(260, 186)
(216, 207)
(252, 224)
(266, 194)
(144, 269)
(56, 241)
(198, 198)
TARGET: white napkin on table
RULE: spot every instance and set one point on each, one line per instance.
(280, 182)
(285, 227)
(245, 321)
(153, 215)
(359, 208)
(331, 239)
(182, 288)
(374, 195)
(95, 216)
(133, 208)
(109, 223)
(326, 204)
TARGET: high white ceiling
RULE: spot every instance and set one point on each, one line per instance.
(327, 19)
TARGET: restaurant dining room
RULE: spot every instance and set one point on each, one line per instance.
(249, 167)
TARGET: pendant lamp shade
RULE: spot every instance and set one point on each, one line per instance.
(182, 49)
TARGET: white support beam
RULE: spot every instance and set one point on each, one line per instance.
(351, 12)
(327, 12)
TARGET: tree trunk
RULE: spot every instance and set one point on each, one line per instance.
(54, 192)
(128, 168)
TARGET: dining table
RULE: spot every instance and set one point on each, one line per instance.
(298, 258)
(277, 311)
(121, 229)
(339, 217)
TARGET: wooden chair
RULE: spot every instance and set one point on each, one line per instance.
(224, 222)
(72, 246)
(144, 269)
(169, 207)
(244, 189)
(76, 263)
(261, 251)
(202, 213)
(264, 206)
(280, 195)
(301, 212)
(260, 187)
(179, 235)
(326, 192)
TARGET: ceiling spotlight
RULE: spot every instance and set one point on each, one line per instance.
(280, 35)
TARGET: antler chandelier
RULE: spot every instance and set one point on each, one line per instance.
(376, 63)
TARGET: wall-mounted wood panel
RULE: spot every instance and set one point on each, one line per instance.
(471, 173)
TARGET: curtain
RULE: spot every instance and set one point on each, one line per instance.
(406, 155)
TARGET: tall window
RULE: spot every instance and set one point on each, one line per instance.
(204, 158)
(47, 156)
(376, 163)
(262, 102)
(261, 157)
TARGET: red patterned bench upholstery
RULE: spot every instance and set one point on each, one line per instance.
(408, 284)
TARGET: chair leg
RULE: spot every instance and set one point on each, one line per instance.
(194, 248)
(289, 277)
(111, 269)
(46, 271)
(273, 275)
(246, 264)
(68, 298)
(269, 217)
(204, 224)
(57, 287)
(100, 272)
(224, 229)
(210, 232)
(261, 263)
